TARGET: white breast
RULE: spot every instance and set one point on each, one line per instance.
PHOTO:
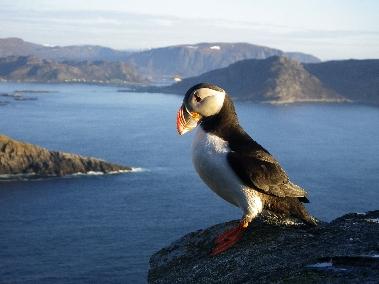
(209, 156)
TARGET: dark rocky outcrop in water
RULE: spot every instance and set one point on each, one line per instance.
(20, 160)
(275, 250)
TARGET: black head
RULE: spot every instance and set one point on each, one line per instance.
(200, 102)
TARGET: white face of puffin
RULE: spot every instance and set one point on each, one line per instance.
(200, 102)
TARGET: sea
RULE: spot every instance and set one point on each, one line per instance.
(104, 228)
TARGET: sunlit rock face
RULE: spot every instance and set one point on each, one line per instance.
(19, 160)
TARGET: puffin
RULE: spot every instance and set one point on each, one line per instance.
(234, 165)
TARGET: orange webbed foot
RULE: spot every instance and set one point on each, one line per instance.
(229, 238)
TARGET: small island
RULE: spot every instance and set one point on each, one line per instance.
(19, 160)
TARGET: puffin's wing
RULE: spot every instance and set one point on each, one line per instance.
(261, 171)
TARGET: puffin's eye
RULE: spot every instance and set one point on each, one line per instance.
(197, 98)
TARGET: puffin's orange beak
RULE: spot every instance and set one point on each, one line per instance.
(186, 120)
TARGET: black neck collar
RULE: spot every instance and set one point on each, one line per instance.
(224, 123)
(226, 126)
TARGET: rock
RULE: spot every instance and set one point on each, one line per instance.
(20, 160)
(276, 250)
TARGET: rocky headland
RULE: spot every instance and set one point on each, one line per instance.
(276, 250)
(19, 160)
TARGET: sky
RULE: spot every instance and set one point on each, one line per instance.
(328, 29)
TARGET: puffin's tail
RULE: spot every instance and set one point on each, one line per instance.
(292, 207)
(311, 220)
(301, 212)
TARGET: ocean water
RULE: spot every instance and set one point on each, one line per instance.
(103, 229)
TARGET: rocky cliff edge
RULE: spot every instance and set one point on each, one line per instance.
(277, 250)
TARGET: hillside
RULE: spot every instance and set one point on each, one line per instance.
(160, 64)
(32, 69)
(357, 80)
(275, 80)
(19, 47)
(191, 60)
(20, 160)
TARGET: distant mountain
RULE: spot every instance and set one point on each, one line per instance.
(302, 57)
(191, 60)
(357, 80)
(160, 64)
(19, 47)
(275, 80)
(32, 69)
